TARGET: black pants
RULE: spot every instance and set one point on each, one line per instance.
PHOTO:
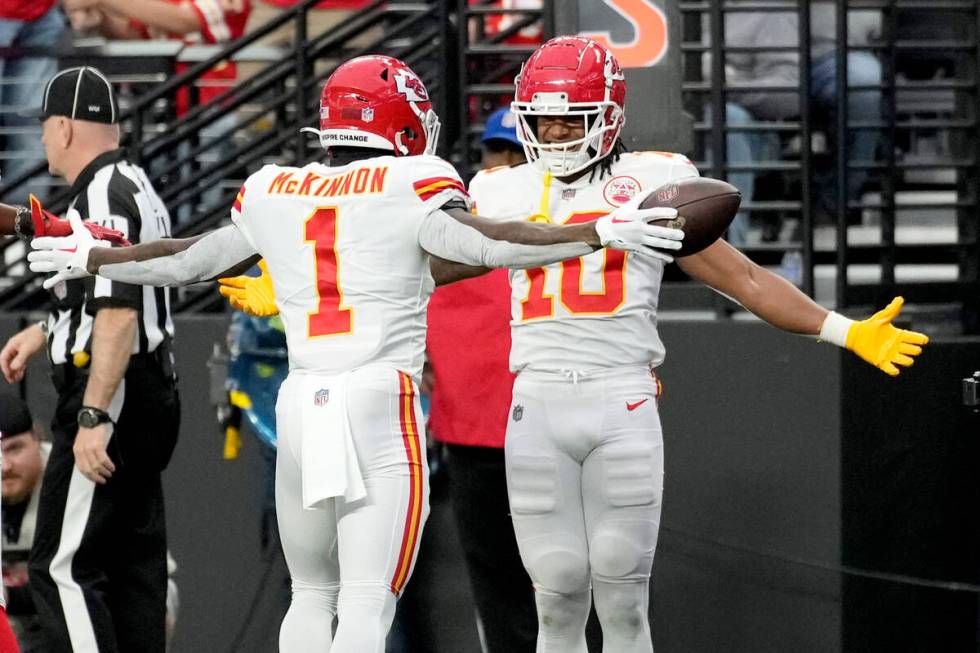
(501, 587)
(98, 567)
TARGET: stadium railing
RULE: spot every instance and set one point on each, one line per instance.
(253, 122)
(916, 233)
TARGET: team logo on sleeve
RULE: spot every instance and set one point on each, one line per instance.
(620, 190)
(411, 86)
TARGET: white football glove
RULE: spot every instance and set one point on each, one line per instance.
(65, 256)
(627, 228)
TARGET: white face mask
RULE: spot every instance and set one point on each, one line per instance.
(570, 157)
(431, 126)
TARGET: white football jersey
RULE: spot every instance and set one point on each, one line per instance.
(352, 283)
(596, 311)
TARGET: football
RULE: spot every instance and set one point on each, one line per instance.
(705, 208)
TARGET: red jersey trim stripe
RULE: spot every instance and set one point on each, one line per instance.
(238, 200)
(431, 187)
(413, 516)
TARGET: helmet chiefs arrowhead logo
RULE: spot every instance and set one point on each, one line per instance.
(411, 86)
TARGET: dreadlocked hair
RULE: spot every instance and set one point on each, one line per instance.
(605, 166)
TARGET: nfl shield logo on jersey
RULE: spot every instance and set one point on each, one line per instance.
(321, 397)
(518, 412)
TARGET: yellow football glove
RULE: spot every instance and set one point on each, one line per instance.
(876, 339)
(252, 295)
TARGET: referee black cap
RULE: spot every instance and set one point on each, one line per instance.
(81, 93)
(15, 418)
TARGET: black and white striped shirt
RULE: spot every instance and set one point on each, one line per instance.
(115, 193)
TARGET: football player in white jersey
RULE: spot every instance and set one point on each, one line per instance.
(584, 448)
(348, 246)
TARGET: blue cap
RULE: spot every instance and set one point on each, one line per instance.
(502, 124)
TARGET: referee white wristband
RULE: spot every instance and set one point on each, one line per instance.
(835, 328)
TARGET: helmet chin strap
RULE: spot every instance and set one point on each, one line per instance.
(399, 146)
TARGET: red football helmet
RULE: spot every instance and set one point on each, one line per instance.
(378, 102)
(570, 76)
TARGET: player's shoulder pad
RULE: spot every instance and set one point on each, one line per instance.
(496, 178)
(259, 180)
(431, 175)
(257, 183)
(428, 165)
(670, 164)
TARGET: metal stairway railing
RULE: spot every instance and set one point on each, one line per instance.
(487, 64)
(864, 263)
(198, 193)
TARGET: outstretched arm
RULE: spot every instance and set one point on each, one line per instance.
(460, 237)
(782, 305)
(167, 262)
(767, 295)
(457, 235)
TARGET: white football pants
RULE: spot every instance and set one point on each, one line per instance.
(585, 468)
(352, 559)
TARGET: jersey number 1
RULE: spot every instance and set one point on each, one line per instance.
(331, 317)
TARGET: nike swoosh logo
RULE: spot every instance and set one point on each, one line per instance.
(631, 407)
(618, 221)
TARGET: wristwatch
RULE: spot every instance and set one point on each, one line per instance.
(89, 417)
(23, 224)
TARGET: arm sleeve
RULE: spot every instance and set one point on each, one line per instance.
(213, 254)
(446, 237)
(213, 19)
(238, 216)
(117, 211)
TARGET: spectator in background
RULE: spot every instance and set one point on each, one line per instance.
(34, 24)
(326, 15)
(24, 458)
(499, 141)
(757, 70)
(25, 455)
(195, 22)
(468, 346)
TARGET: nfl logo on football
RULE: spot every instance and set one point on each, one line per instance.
(321, 397)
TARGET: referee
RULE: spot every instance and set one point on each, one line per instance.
(98, 567)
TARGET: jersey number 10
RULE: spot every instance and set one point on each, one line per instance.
(332, 317)
(538, 304)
